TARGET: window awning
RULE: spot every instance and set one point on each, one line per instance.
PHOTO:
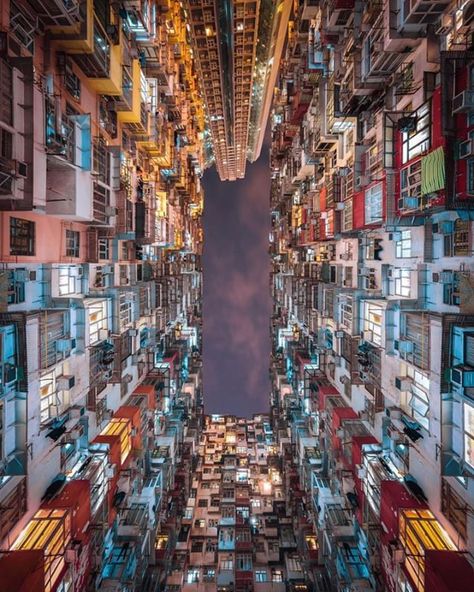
(433, 173)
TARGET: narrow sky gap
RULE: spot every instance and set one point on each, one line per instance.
(237, 304)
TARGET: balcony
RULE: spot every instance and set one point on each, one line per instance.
(58, 14)
(128, 107)
(77, 37)
(103, 66)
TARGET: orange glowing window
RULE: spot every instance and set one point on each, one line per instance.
(419, 531)
(122, 428)
(49, 530)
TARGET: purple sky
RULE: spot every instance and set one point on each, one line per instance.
(237, 305)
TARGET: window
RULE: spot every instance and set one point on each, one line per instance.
(200, 524)
(196, 546)
(416, 333)
(418, 140)
(104, 251)
(415, 401)
(401, 282)
(67, 281)
(277, 575)
(72, 243)
(243, 562)
(455, 509)
(403, 245)
(193, 576)
(202, 503)
(293, 564)
(373, 314)
(374, 204)
(456, 243)
(22, 237)
(97, 320)
(16, 286)
(261, 575)
(227, 564)
(469, 434)
(6, 92)
(346, 311)
(209, 574)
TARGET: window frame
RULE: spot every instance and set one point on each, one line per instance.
(25, 232)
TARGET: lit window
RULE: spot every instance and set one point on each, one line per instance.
(401, 280)
(261, 576)
(277, 575)
(469, 434)
(193, 576)
(403, 245)
(373, 314)
(418, 140)
(374, 204)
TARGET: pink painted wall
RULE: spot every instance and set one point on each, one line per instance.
(50, 239)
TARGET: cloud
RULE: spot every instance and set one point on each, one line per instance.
(237, 304)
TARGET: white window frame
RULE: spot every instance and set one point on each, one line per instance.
(402, 282)
(403, 246)
(468, 434)
(371, 311)
(373, 205)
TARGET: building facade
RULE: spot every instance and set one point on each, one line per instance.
(101, 156)
(371, 245)
(360, 475)
(238, 44)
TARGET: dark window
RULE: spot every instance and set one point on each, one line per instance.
(72, 243)
(22, 237)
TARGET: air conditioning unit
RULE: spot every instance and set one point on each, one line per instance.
(404, 346)
(110, 211)
(103, 334)
(362, 472)
(462, 376)
(345, 256)
(410, 203)
(403, 383)
(65, 345)
(362, 180)
(65, 382)
(21, 169)
(340, 205)
(339, 334)
(466, 149)
(133, 332)
(464, 102)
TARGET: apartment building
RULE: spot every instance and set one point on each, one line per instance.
(371, 247)
(238, 45)
(101, 155)
(237, 531)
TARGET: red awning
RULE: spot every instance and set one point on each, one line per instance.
(22, 571)
(447, 571)
(393, 497)
(76, 497)
(339, 414)
(357, 443)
